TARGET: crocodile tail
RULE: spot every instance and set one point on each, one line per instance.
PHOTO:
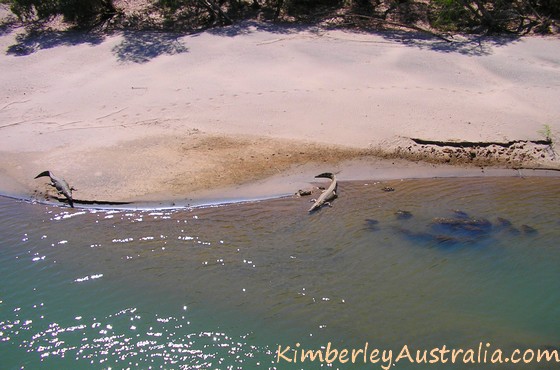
(44, 173)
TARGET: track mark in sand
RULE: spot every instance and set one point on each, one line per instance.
(13, 124)
(69, 123)
(110, 114)
(90, 127)
(346, 90)
(14, 102)
(33, 121)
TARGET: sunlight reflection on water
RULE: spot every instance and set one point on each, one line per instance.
(453, 261)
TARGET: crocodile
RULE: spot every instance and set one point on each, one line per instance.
(60, 184)
(328, 195)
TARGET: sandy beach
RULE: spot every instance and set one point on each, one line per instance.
(256, 110)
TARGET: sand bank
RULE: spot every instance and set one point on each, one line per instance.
(257, 110)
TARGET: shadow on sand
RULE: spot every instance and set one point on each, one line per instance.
(472, 45)
(136, 46)
(249, 27)
(38, 39)
(8, 24)
(142, 46)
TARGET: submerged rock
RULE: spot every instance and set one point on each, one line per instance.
(403, 215)
(371, 224)
(415, 236)
(461, 222)
(503, 222)
(506, 225)
(528, 230)
(448, 239)
(514, 231)
(423, 237)
(460, 229)
(460, 214)
(467, 225)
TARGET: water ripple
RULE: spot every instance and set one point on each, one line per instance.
(434, 261)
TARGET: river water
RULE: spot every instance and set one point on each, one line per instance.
(459, 262)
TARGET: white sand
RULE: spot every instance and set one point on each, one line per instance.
(148, 115)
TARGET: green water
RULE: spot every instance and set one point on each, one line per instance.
(474, 261)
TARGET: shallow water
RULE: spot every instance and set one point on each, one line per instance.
(471, 261)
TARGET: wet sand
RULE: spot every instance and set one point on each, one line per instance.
(254, 110)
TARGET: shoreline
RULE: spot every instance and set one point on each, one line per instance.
(204, 168)
(284, 186)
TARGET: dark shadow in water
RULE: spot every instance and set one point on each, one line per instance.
(403, 214)
(371, 224)
(34, 40)
(428, 239)
(141, 47)
(464, 227)
(460, 230)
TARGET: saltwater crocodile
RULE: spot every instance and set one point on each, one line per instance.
(60, 184)
(328, 195)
